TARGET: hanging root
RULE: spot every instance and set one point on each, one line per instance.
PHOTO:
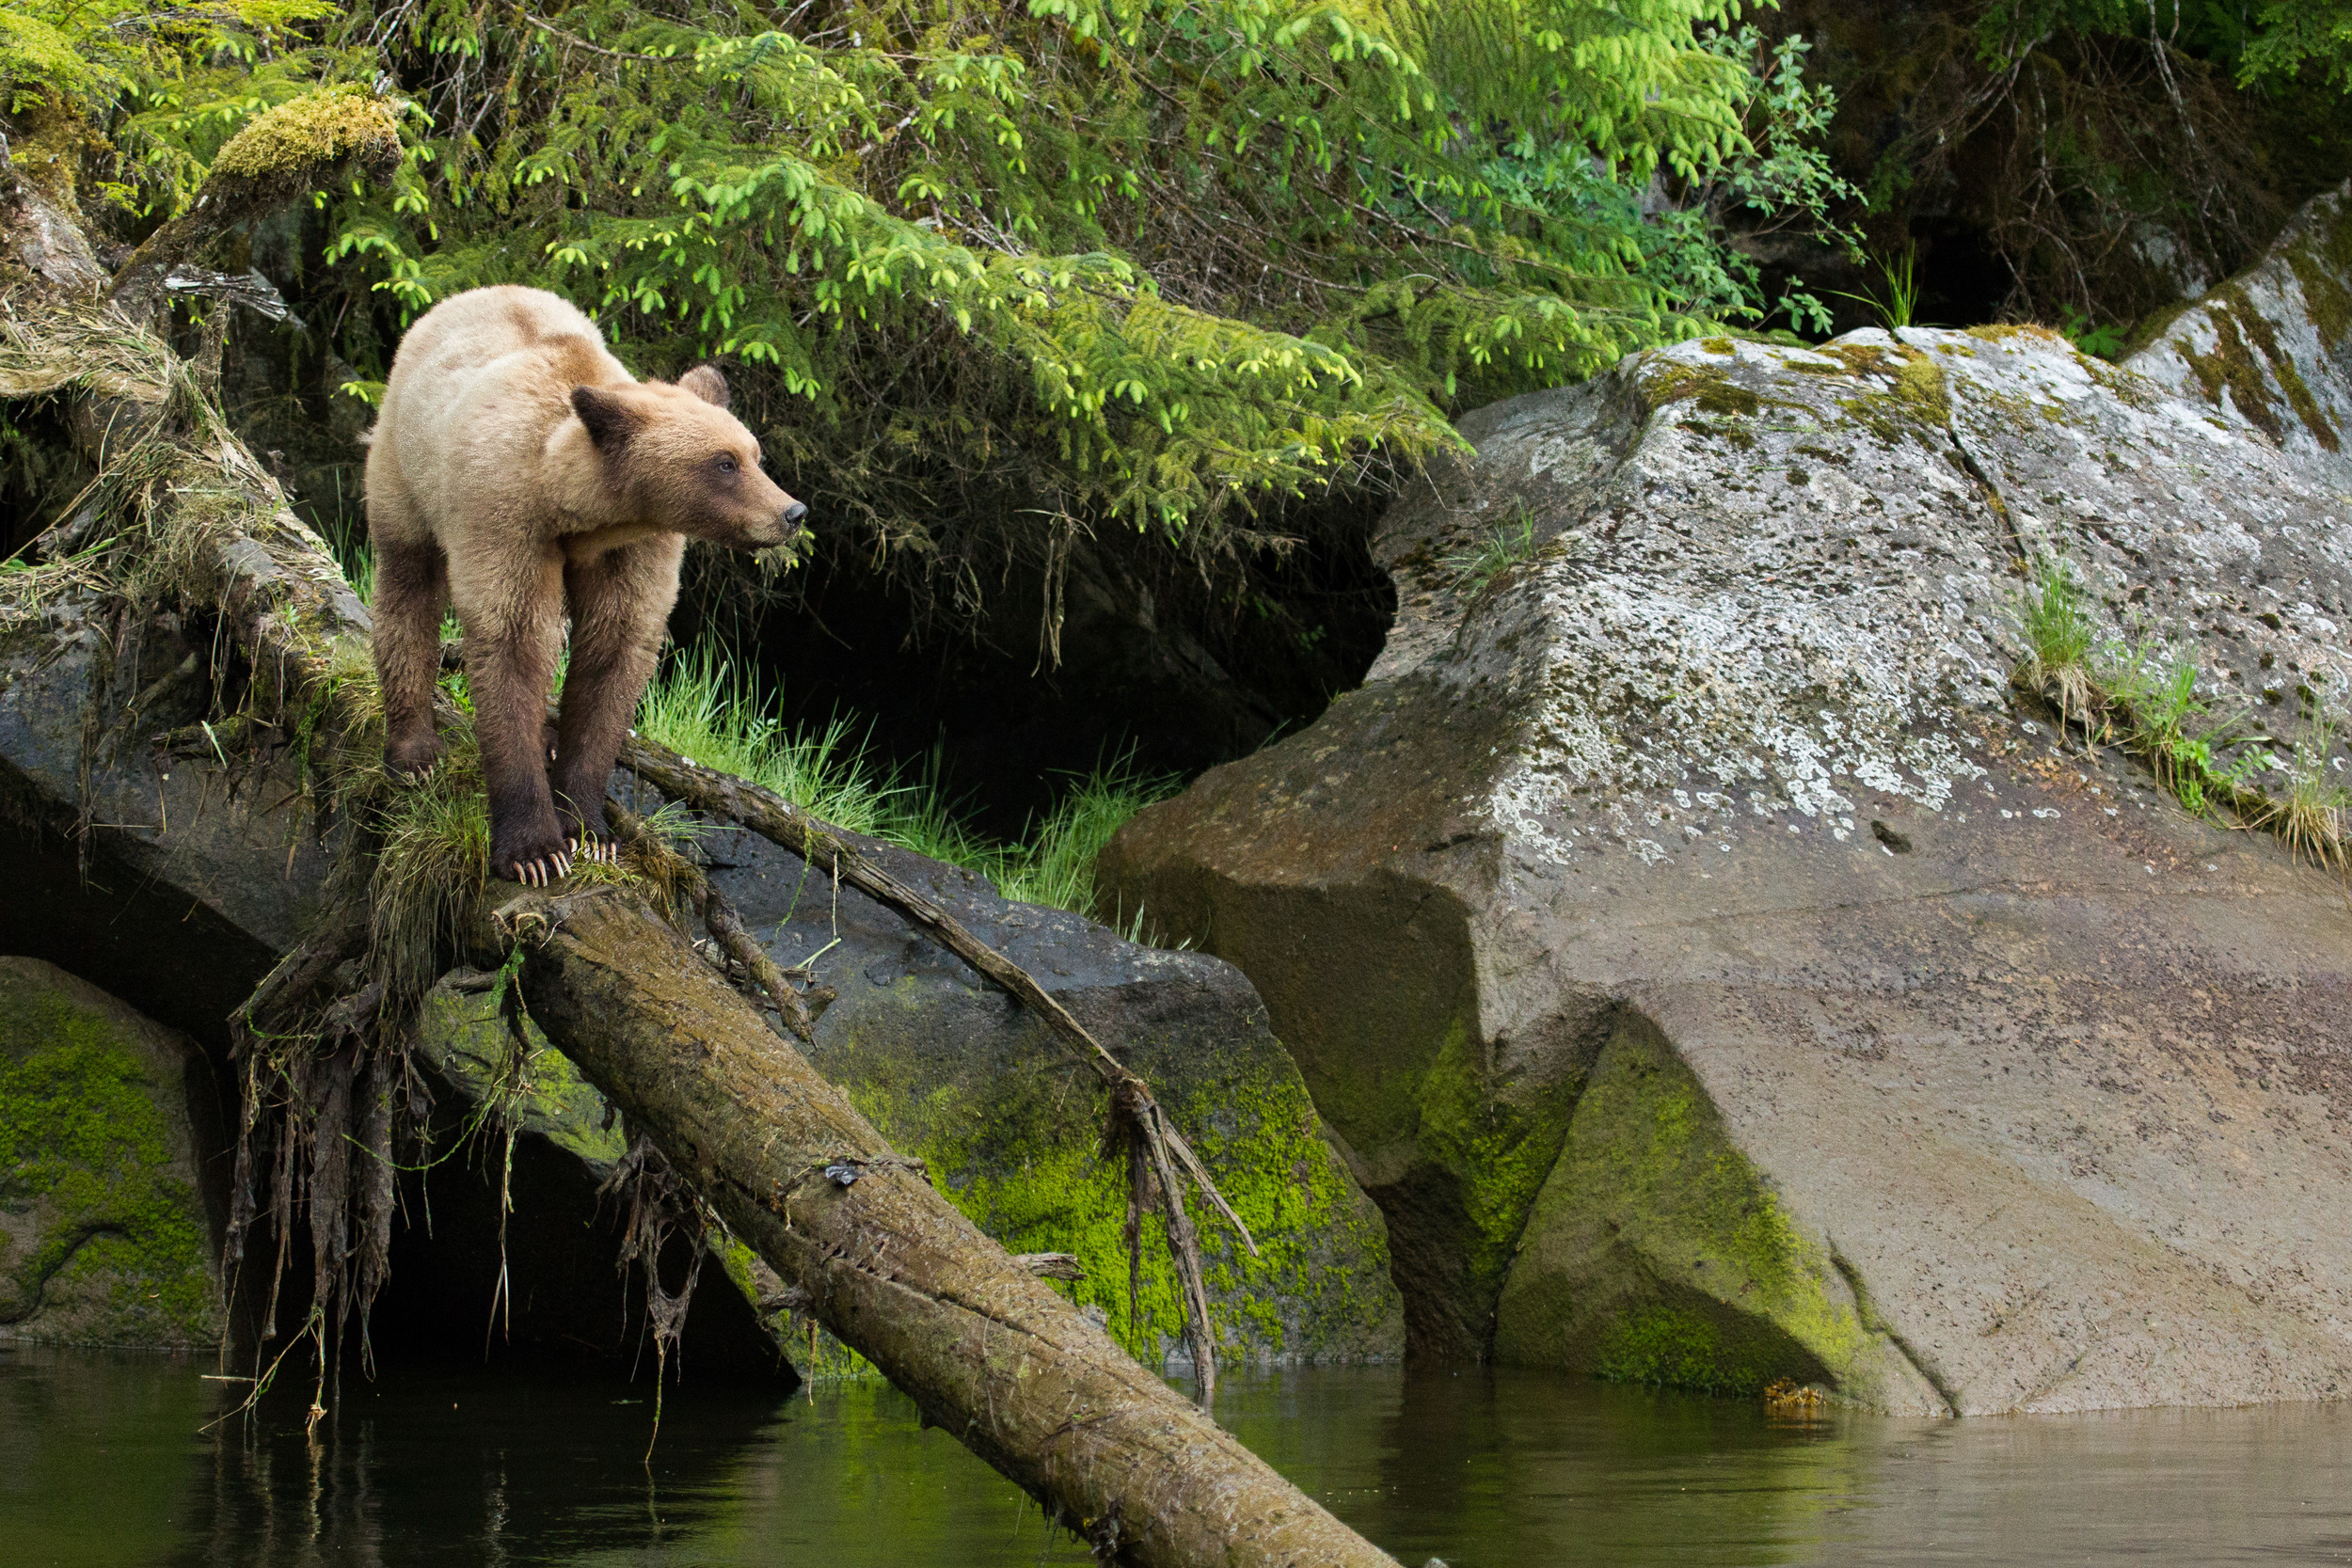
(659, 1206)
(719, 919)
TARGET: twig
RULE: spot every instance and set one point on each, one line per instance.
(719, 919)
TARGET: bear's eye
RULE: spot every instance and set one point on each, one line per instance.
(726, 463)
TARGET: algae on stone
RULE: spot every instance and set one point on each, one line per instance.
(1014, 1140)
(1658, 1254)
(104, 1238)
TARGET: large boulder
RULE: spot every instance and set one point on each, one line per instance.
(1719, 973)
(2270, 351)
(105, 1234)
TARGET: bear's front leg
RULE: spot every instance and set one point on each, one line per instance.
(620, 604)
(514, 628)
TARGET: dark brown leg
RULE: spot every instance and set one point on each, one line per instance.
(411, 591)
(620, 605)
(512, 635)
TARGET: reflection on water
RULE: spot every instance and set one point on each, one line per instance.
(102, 1463)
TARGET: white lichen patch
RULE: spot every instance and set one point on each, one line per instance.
(1778, 584)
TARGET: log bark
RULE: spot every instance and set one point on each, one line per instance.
(986, 1350)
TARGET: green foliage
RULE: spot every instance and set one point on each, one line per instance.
(184, 77)
(1781, 181)
(2099, 342)
(2296, 35)
(1900, 302)
(993, 275)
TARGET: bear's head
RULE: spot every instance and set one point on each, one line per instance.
(685, 465)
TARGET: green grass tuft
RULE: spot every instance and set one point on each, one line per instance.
(2314, 813)
(1502, 547)
(2053, 616)
(1055, 863)
(702, 705)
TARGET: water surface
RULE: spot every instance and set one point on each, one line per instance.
(104, 1461)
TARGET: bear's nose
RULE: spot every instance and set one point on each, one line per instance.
(794, 513)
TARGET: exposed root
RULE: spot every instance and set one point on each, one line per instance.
(676, 873)
(659, 1206)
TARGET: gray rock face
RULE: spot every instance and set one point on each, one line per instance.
(2270, 352)
(1719, 975)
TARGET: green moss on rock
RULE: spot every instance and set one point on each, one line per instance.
(1657, 1253)
(1013, 1141)
(1498, 1150)
(2230, 366)
(464, 1039)
(103, 1237)
(2323, 267)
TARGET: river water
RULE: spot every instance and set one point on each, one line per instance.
(104, 1461)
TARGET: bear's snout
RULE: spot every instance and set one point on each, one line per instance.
(794, 513)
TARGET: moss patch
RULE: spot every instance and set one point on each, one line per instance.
(2324, 268)
(466, 1041)
(1015, 1144)
(102, 1233)
(1658, 1254)
(1916, 404)
(1498, 1150)
(311, 132)
(2230, 366)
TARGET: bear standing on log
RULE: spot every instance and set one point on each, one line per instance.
(518, 470)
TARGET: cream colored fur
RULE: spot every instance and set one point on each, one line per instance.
(519, 471)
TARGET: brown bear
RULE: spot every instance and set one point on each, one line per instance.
(518, 470)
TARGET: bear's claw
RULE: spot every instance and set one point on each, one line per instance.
(542, 870)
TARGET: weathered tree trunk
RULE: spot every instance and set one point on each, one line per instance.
(986, 1350)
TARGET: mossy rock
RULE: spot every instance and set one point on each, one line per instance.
(1658, 1254)
(462, 1037)
(104, 1235)
(1012, 1134)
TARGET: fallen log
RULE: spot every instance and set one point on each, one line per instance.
(986, 1350)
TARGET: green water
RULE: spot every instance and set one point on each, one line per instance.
(104, 1461)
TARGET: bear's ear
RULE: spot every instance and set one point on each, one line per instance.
(610, 420)
(706, 383)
